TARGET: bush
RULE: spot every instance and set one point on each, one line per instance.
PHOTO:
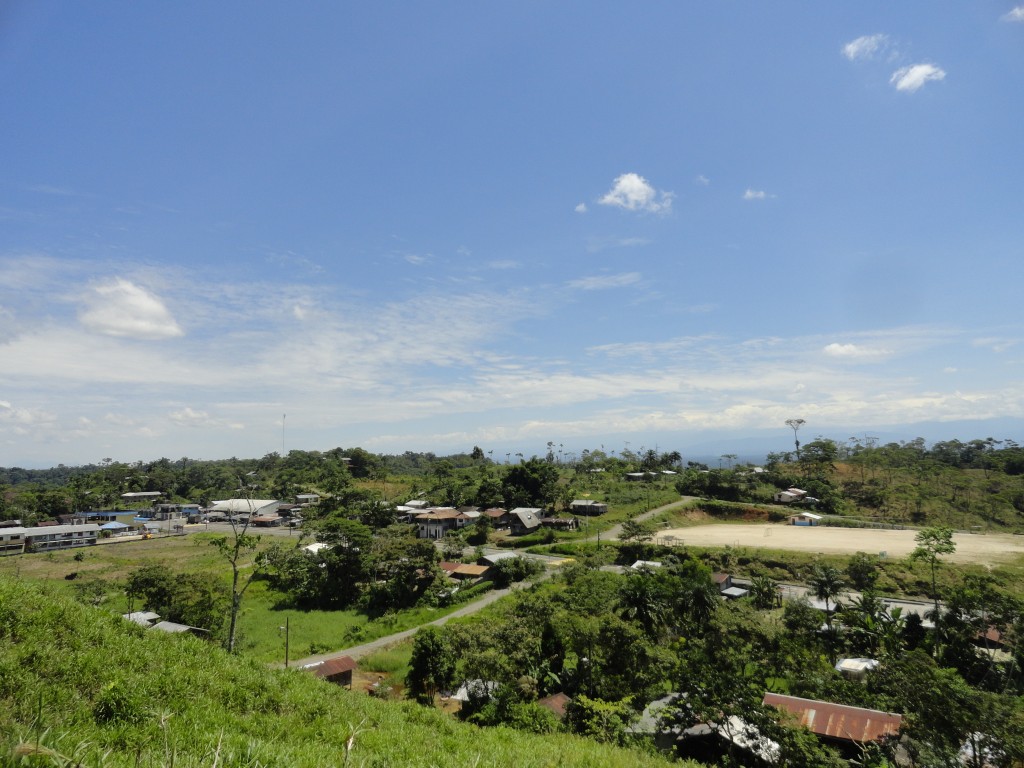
(513, 569)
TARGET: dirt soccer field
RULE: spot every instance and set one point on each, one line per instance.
(970, 548)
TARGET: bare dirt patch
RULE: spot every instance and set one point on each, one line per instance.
(985, 549)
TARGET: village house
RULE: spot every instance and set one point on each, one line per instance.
(726, 588)
(805, 518)
(435, 523)
(337, 670)
(844, 727)
(587, 507)
(790, 495)
(498, 516)
(464, 572)
(524, 520)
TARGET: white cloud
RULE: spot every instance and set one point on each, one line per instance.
(415, 259)
(581, 208)
(702, 180)
(865, 47)
(756, 194)
(1017, 14)
(121, 308)
(633, 192)
(912, 77)
(187, 417)
(995, 343)
(601, 282)
(856, 351)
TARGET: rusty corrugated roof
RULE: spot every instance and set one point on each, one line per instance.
(838, 721)
(334, 666)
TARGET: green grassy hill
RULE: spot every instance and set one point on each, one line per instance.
(79, 686)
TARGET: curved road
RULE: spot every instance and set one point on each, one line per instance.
(358, 651)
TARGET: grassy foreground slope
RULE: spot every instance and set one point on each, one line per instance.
(79, 686)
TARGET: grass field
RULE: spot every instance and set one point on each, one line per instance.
(260, 633)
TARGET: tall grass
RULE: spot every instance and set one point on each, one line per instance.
(79, 686)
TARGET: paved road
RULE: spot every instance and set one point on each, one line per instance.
(612, 534)
(358, 651)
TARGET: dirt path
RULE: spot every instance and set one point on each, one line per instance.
(612, 534)
(987, 549)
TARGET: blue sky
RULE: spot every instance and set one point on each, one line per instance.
(433, 226)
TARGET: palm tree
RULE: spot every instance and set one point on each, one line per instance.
(764, 592)
(827, 584)
(643, 600)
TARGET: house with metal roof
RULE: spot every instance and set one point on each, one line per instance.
(337, 670)
(842, 725)
(524, 520)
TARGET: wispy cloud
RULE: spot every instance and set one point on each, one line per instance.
(415, 259)
(187, 417)
(856, 351)
(633, 192)
(913, 77)
(865, 47)
(995, 343)
(702, 180)
(1015, 15)
(121, 308)
(597, 244)
(48, 189)
(602, 282)
(504, 264)
(756, 194)
(581, 208)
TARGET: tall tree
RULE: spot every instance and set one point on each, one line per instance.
(795, 425)
(432, 666)
(932, 543)
(531, 483)
(827, 584)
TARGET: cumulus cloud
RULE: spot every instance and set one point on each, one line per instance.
(122, 308)
(601, 282)
(581, 208)
(756, 194)
(912, 77)
(856, 351)
(1017, 14)
(633, 192)
(865, 47)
